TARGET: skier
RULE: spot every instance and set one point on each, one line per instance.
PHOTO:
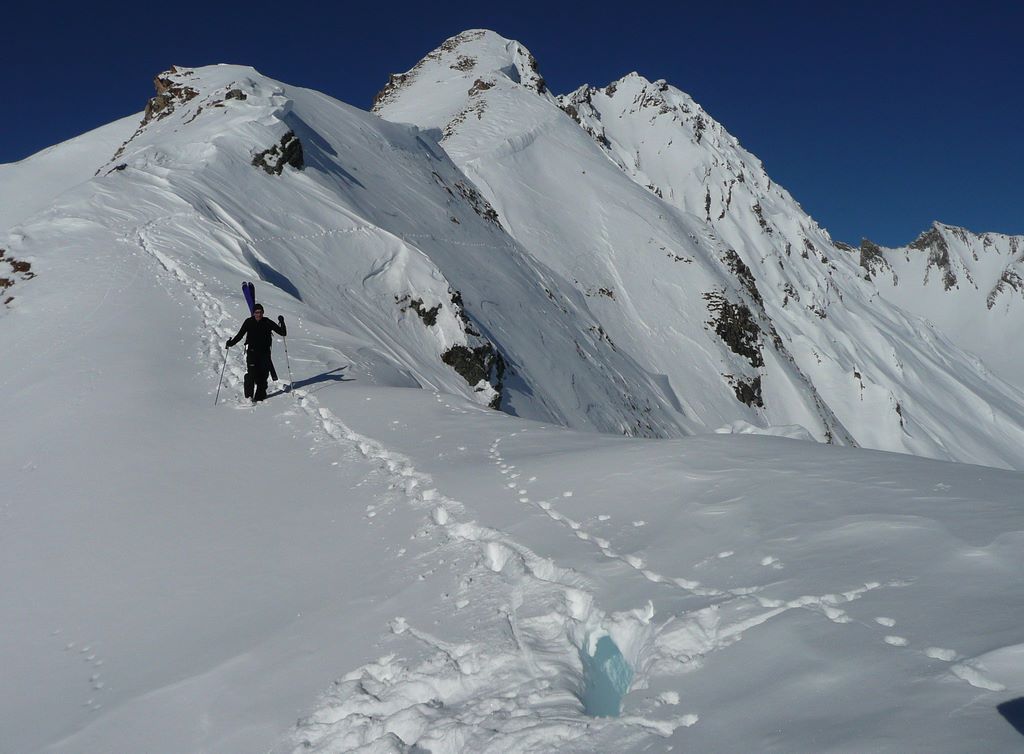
(258, 338)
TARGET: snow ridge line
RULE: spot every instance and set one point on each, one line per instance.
(370, 227)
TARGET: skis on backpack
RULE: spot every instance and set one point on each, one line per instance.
(249, 291)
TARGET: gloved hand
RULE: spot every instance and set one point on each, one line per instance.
(227, 343)
(280, 320)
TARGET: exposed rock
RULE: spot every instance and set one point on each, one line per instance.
(479, 86)
(169, 94)
(395, 82)
(938, 254)
(429, 316)
(748, 392)
(22, 268)
(20, 271)
(537, 81)
(760, 215)
(287, 152)
(871, 258)
(699, 125)
(1009, 279)
(476, 365)
(480, 205)
(479, 108)
(743, 274)
(236, 94)
(735, 325)
(569, 110)
(460, 312)
(464, 63)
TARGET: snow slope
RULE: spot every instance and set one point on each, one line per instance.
(969, 285)
(380, 555)
(696, 263)
(31, 185)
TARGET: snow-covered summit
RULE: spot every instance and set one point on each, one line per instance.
(477, 56)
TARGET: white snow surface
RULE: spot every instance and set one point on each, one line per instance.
(379, 555)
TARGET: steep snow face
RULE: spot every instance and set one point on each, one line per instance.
(663, 289)
(971, 286)
(699, 265)
(367, 229)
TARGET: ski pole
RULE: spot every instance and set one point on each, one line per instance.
(221, 375)
(288, 363)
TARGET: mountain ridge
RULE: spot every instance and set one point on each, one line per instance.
(774, 279)
(691, 291)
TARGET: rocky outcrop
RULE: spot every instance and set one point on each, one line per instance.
(20, 270)
(872, 260)
(429, 316)
(481, 367)
(395, 83)
(1008, 280)
(169, 94)
(938, 254)
(478, 362)
(287, 152)
(736, 325)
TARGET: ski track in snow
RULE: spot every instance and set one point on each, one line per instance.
(471, 695)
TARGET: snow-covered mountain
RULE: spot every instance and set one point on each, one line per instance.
(696, 263)
(970, 286)
(380, 554)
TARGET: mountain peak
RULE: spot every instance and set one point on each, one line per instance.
(476, 55)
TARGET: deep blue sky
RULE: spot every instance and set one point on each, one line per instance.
(878, 117)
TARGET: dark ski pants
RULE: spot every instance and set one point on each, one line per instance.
(258, 366)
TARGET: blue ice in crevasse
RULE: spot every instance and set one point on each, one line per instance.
(606, 679)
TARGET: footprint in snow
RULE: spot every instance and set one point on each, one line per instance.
(883, 621)
(896, 641)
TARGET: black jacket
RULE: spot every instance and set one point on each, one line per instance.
(258, 335)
